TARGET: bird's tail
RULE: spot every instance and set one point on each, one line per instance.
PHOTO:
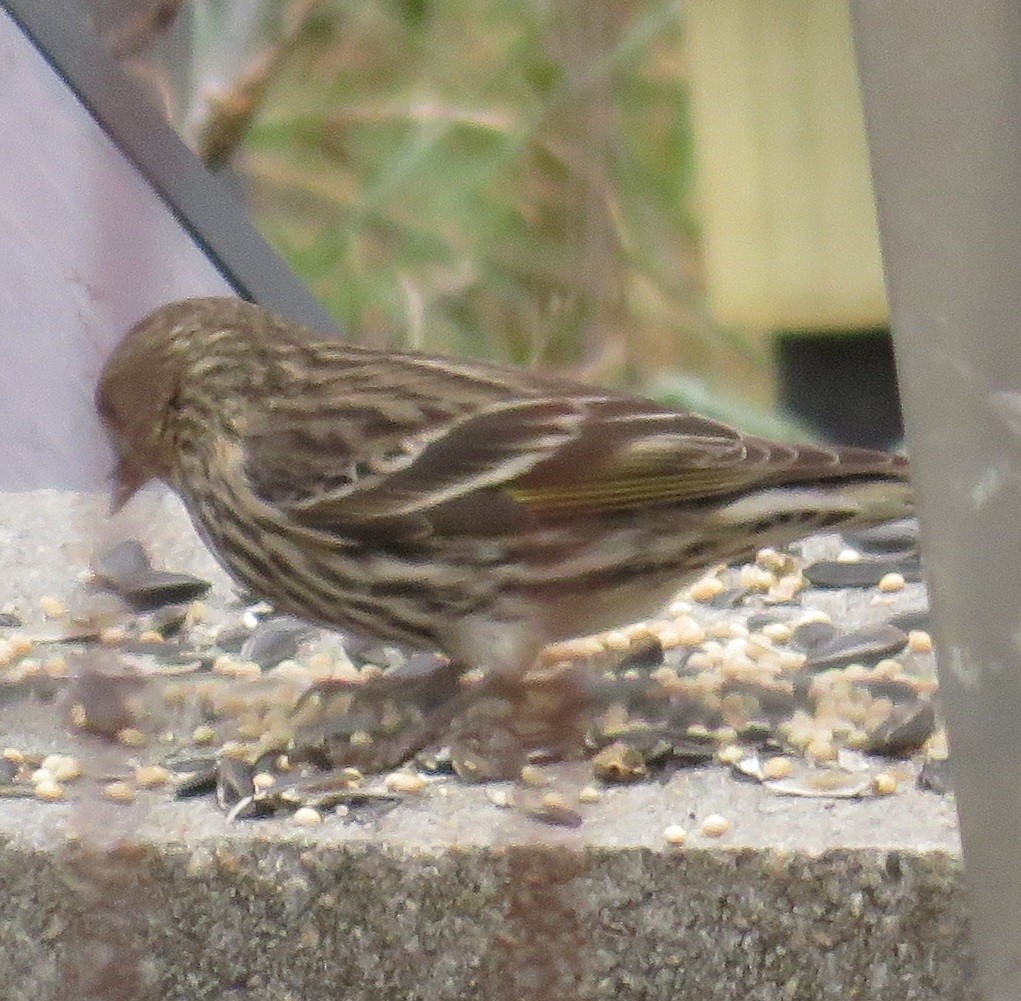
(827, 504)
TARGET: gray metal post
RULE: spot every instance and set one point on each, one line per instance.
(942, 94)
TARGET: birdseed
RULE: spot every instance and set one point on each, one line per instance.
(786, 589)
(675, 834)
(498, 797)
(119, 792)
(553, 809)
(706, 589)
(617, 641)
(778, 632)
(727, 679)
(729, 754)
(755, 578)
(534, 777)
(408, 782)
(61, 767)
(13, 648)
(152, 776)
(52, 608)
(306, 816)
(48, 790)
(113, 635)
(778, 767)
(131, 736)
(919, 641)
(714, 826)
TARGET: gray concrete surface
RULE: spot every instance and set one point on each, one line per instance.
(444, 895)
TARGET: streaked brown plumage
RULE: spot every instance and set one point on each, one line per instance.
(480, 510)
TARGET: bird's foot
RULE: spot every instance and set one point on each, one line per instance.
(378, 724)
(494, 726)
(512, 723)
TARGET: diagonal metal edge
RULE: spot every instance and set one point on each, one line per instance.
(202, 203)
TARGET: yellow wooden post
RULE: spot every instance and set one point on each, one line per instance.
(789, 232)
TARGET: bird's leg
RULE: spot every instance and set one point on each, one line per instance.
(514, 721)
(494, 726)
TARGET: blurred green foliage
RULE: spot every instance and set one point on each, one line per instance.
(507, 179)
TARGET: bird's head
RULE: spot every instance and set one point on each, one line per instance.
(182, 371)
(134, 398)
(138, 395)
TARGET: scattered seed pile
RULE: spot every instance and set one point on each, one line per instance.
(748, 669)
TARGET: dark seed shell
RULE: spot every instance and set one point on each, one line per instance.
(197, 783)
(919, 618)
(892, 537)
(812, 635)
(120, 563)
(274, 640)
(555, 814)
(935, 777)
(161, 587)
(908, 727)
(233, 781)
(864, 646)
(865, 573)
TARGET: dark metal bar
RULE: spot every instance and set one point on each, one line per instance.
(203, 204)
(942, 91)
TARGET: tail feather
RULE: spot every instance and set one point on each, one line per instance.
(819, 463)
(795, 511)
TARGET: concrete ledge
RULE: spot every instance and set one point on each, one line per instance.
(445, 896)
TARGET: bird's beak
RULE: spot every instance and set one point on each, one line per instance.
(127, 479)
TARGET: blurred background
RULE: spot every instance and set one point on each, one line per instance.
(672, 197)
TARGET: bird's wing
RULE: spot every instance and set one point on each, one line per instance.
(628, 456)
(483, 450)
(409, 436)
(349, 435)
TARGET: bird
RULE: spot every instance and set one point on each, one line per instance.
(452, 505)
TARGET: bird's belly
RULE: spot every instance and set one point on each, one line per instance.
(332, 582)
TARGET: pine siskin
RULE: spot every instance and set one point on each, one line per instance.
(445, 504)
